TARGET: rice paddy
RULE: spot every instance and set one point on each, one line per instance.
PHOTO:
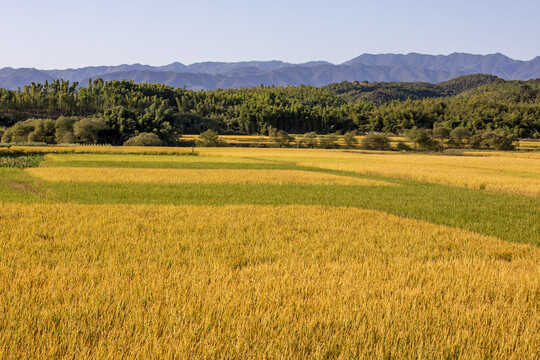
(270, 253)
(511, 174)
(194, 176)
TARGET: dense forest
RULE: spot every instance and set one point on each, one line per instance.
(113, 112)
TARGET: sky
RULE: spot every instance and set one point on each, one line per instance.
(58, 34)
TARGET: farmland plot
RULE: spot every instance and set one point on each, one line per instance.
(270, 253)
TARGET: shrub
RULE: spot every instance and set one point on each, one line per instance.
(144, 139)
(19, 132)
(210, 138)
(282, 139)
(498, 140)
(402, 146)
(63, 133)
(350, 140)
(272, 131)
(441, 133)
(460, 135)
(423, 139)
(329, 142)
(375, 141)
(43, 131)
(90, 130)
(309, 140)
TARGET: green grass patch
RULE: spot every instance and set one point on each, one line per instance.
(510, 217)
(17, 186)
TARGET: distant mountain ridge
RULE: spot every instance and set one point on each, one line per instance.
(412, 67)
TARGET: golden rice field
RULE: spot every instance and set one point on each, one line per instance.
(513, 175)
(529, 145)
(478, 171)
(523, 144)
(102, 149)
(88, 157)
(254, 281)
(194, 176)
(241, 253)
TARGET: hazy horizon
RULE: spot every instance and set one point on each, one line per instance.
(258, 60)
(60, 34)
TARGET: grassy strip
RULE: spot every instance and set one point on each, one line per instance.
(170, 165)
(16, 186)
(101, 149)
(510, 217)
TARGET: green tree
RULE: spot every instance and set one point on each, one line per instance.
(309, 140)
(498, 140)
(375, 141)
(350, 140)
(63, 133)
(90, 130)
(460, 136)
(423, 139)
(43, 131)
(441, 133)
(210, 138)
(19, 132)
(123, 123)
(160, 119)
(144, 139)
(282, 139)
(329, 141)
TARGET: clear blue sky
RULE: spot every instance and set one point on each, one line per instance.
(60, 34)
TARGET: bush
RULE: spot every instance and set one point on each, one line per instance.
(272, 131)
(282, 139)
(90, 130)
(441, 133)
(460, 135)
(329, 142)
(402, 146)
(423, 139)
(20, 132)
(144, 139)
(350, 140)
(63, 133)
(375, 141)
(210, 138)
(43, 131)
(475, 141)
(498, 140)
(309, 140)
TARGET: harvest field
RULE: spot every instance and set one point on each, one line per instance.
(250, 140)
(270, 253)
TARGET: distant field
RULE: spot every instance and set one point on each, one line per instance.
(252, 140)
(529, 145)
(247, 140)
(270, 253)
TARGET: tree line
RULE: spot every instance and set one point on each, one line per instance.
(115, 111)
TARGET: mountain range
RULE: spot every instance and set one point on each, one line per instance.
(412, 67)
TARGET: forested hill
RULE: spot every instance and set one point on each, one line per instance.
(220, 75)
(383, 92)
(112, 112)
